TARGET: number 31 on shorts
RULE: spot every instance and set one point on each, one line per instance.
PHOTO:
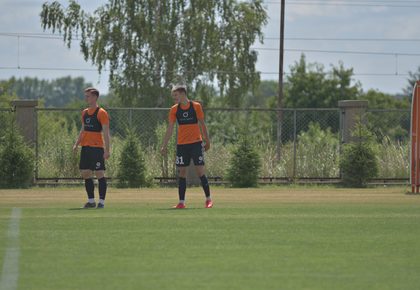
(179, 160)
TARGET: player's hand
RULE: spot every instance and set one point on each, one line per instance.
(163, 150)
(106, 155)
(75, 148)
(207, 145)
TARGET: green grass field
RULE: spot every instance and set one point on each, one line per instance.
(267, 238)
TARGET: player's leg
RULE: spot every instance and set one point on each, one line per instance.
(182, 186)
(200, 169)
(87, 175)
(198, 159)
(182, 162)
(100, 175)
(102, 187)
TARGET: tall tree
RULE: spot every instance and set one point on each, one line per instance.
(309, 86)
(413, 77)
(146, 44)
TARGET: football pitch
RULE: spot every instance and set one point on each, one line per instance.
(265, 238)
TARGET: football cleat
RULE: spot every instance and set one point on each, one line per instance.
(179, 205)
(209, 204)
(89, 205)
(100, 205)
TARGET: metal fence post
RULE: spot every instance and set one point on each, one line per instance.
(36, 144)
(279, 132)
(294, 143)
(130, 117)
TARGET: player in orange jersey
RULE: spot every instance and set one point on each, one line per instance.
(191, 132)
(95, 141)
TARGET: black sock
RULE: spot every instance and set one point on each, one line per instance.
(205, 185)
(90, 188)
(182, 187)
(102, 187)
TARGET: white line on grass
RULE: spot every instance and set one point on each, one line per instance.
(10, 273)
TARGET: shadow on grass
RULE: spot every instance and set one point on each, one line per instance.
(179, 209)
(81, 208)
(412, 193)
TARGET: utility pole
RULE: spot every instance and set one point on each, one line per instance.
(280, 95)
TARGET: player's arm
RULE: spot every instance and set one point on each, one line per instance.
(107, 141)
(205, 134)
(79, 139)
(167, 136)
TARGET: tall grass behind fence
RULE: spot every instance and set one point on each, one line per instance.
(310, 141)
(392, 131)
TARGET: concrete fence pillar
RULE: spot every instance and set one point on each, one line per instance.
(25, 118)
(351, 113)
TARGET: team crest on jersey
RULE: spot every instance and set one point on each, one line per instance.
(87, 120)
(185, 114)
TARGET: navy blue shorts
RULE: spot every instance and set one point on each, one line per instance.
(92, 158)
(186, 152)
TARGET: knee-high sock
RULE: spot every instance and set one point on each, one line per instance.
(205, 185)
(102, 187)
(90, 188)
(182, 187)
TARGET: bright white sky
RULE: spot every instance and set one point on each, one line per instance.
(387, 30)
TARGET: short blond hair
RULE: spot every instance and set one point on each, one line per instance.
(92, 90)
(179, 87)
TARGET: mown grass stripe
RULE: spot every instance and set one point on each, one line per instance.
(10, 272)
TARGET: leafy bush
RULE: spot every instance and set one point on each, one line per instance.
(359, 161)
(16, 160)
(131, 167)
(244, 165)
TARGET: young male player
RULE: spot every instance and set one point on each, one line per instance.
(95, 141)
(190, 118)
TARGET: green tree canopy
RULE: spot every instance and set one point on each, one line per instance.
(378, 100)
(309, 86)
(264, 94)
(55, 93)
(146, 44)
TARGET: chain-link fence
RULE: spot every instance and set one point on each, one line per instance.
(310, 141)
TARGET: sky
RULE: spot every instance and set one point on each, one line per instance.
(379, 39)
